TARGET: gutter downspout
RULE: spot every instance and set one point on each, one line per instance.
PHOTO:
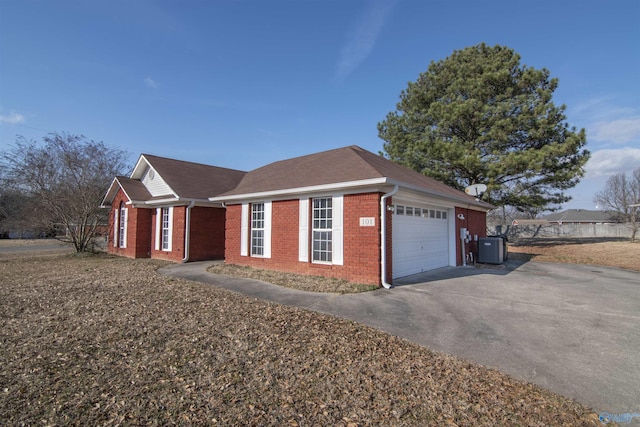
(383, 236)
(187, 232)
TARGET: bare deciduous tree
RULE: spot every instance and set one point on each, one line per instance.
(65, 178)
(620, 194)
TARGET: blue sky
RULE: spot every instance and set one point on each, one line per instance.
(244, 83)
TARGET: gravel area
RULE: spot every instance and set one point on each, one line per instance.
(100, 340)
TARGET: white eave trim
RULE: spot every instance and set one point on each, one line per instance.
(137, 173)
(457, 201)
(167, 201)
(177, 201)
(111, 194)
(301, 190)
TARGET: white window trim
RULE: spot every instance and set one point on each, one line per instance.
(337, 231)
(252, 228)
(244, 230)
(303, 230)
(123, 224)
(315, 230)
(116, 227)
(169, 229)
(158, 228)
(266, 249)
(267, 229)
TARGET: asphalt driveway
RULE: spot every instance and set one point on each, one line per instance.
(572, 329)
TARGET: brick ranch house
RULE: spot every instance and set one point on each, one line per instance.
(347, 213)
(162, 210)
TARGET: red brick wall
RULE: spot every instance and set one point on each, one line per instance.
(138, 230)
(476, 223)
(284, 239)
(232, 224)
(111, 237)
(207, 234)
(154, 219)
(140, 227)
(176, 254)
(361, 244)
(284, 234)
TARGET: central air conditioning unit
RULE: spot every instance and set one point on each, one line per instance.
(491, 250)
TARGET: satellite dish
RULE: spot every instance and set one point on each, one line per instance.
(475, 190)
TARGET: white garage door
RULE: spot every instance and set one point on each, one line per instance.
(420, 239)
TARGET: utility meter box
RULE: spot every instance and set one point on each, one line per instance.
(490, 250)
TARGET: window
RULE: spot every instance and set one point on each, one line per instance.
(166, 230)
(322, 229)
(122, 227)
(419, 212)
(257, 229)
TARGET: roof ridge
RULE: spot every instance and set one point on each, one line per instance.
(361, 153)
(304, 157)
(146, 156)
(403, 169)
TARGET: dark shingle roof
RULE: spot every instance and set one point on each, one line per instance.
(337, 166)
(194, 180)
(134, 189)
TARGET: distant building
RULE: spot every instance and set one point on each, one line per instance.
(580, 216)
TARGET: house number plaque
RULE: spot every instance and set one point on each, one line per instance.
(367, 222)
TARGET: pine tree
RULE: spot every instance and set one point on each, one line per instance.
(479, 116)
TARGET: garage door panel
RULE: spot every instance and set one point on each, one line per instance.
(419, 244)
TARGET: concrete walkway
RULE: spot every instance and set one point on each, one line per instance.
(572, 329)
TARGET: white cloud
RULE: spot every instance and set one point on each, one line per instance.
(611, 161)
(149, 82)
(618, 131)
(608, 122)
(600, 109)
(13, 118)
(363, 38)
(601, 165)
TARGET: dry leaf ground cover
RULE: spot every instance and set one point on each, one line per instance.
(606, 252)
(100, 340)
(289, 280)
